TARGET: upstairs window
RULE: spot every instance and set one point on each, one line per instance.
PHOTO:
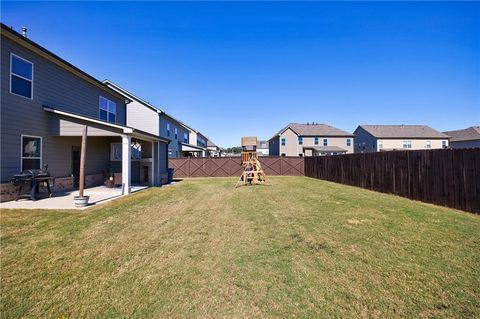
(284, 141)
(325, 142)
(429, 144)
(300, 140)
(444, 144)
(407, 144)
(176, 133)
(107, 109)
(31, 152)
(21, 76)
(316, 140)
(349, 141)
(185, 138)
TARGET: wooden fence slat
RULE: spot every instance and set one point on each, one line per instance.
(448, 177)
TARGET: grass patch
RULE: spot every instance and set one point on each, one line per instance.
(301, 248)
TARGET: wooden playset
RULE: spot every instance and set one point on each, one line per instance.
(252, 169)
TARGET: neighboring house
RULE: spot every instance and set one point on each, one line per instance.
(377, 138)
(310, 140)
(262, 148)
(197, 146)
(469, 137)
(212, 149)
(141, 113)
(46, 102)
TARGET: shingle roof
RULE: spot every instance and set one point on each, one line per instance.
(469, 134)
(210, 143)
(402, 131)
(314, 130)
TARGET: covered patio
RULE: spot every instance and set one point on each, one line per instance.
(323, 150)
(189, 150)
(64, 199)
(116, 155)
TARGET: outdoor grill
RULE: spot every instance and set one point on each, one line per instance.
(28, 182)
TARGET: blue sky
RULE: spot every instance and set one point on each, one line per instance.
(234, 69)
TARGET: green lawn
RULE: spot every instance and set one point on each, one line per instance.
(301, 248)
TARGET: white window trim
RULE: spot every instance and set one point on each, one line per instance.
(428, 144)
(406, 143)
(102, 97)
(21, 150)
(11, 73)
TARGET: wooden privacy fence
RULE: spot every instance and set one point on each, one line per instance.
(448, 177)
(231, 166)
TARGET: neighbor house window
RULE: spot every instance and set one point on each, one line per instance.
(325, 142)
(380, 145)
(176, 133)
(429, 144)
(349, 141)
(284, 141)
(444, 144)
(168, 129)
(300, 140)
(407, 144)
(21, 76)
(31, 152)
(185, 137)
(107, 109)
(316, 140)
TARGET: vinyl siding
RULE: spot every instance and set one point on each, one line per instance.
(465, 144)
(174, 145)
(143, 118)
(54, 87)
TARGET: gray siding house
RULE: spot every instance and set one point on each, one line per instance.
(466, 138)
(310, 140)
(45, 103)
(379, 138)
(141, 113)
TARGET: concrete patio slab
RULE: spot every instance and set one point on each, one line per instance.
(64, 200)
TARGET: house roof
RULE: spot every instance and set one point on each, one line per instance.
(132, 96)
(314, 130)
(210, 143)
(38, 49)
(123, 128)
(469, 134)
(402, 131)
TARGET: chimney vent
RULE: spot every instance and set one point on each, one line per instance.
(24, 31)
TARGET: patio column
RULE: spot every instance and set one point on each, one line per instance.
(154, 182)
(126, 164)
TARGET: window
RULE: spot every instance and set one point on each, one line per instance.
(349, 141)
(284, 141)
(170, 153)
(444, 144)
(316, 140)
(407, 144)
(300, 140)
(325, 142)
(21, 76)
(380, 144)
(429, 144)
(31, 152)
(116, 151)
(168, 129)
(185, 137)
(107, 109)
(176, 133)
